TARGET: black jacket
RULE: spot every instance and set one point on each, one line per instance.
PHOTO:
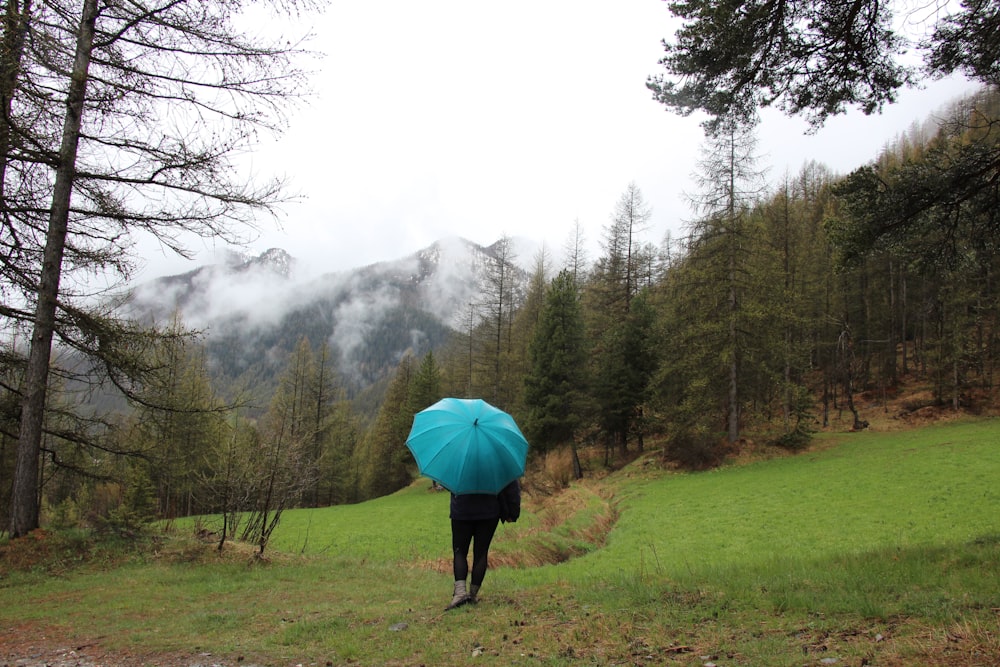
(476, 506)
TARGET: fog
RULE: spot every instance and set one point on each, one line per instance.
(243, 297)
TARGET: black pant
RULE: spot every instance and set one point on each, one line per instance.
(479, 534)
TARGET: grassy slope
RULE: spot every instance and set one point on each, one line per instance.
(872, 548)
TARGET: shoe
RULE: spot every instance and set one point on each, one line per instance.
(460, 596)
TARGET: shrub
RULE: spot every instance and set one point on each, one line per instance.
(693, 448)
(558, 467)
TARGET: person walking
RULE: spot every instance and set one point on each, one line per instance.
(474, 519)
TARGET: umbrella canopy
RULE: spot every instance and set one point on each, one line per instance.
(467, 445)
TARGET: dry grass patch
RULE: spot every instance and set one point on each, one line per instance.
(552, 529)
(60, 552)
(570, 523)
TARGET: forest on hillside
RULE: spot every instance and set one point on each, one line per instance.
(767, 316)
(780, 304)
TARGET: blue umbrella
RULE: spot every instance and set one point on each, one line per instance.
(467, 445)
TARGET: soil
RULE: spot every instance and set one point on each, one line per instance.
(28, 645)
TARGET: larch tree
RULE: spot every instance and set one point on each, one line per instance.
(284, 470)
(928, 219)
(341, 477)
(575, 253)
(730, 182)
(179, 420)
(119, 119)
(501, 293)
(797, 259)
(333, 428)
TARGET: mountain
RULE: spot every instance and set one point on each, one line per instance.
(253, 310)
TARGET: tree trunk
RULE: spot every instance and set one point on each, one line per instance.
(903, 322)
(734, 376)
(956, 394)
(15, 28)
(25, 493)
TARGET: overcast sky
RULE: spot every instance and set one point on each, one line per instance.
(456, 118)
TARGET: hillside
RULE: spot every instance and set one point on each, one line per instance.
(873, 548)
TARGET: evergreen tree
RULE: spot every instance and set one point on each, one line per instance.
(525, 326)
(386, 464)
(625, 266)
(425, 390)
(814, 57)
(555, 385)
(179, 420)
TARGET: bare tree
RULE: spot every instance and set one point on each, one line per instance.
(153, 99)
(283, 470)
(502, 292)
(576, 253)
(630, 218)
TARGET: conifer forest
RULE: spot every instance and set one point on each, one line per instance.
(788, 301)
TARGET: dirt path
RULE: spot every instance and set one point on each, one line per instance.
(28, 645)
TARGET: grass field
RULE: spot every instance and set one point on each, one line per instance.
(869, 549)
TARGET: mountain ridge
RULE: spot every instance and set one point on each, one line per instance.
(252, 310)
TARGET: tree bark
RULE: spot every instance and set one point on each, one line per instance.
(15, 28)
(25, 493)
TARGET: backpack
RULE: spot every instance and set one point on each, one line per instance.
(510, 502)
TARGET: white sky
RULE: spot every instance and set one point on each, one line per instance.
(458, 118)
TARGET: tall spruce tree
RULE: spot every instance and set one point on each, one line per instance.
(425, 390)
(525, 326)
(617, 277)
(555, 385)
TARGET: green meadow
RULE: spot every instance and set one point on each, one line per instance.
(868, 549)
